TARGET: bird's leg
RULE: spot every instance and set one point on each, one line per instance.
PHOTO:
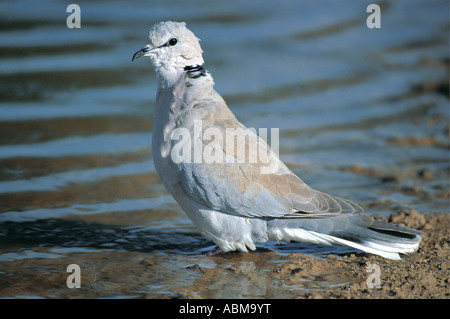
(216, 250)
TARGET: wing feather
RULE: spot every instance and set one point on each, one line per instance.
(242, 189)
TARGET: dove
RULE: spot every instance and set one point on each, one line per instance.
(237, 200)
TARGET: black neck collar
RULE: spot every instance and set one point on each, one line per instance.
(195, 71)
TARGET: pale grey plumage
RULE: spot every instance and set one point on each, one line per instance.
(233, 202)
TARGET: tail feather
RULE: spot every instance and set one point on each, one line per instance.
(357, 231)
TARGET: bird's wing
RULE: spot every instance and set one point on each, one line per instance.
(252, 187)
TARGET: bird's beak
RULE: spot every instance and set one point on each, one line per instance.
(145, 51)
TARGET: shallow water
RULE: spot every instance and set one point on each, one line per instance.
(362, 113)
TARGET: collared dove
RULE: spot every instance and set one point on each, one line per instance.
(238, 200)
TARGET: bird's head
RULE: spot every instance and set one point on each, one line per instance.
(171, 48)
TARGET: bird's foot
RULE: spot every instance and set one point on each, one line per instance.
(216, 250)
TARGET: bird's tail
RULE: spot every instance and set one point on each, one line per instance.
(357, 231)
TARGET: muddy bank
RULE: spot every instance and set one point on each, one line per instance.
(424, 274)
(421, 275)
(40, 272)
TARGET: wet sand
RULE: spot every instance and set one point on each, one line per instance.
(424, 274)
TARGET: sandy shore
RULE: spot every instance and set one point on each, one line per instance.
(424, 274)
(261, 274)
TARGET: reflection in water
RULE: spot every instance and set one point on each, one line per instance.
(362, 113)
(66, 233)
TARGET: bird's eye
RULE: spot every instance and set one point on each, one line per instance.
(173, 41)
